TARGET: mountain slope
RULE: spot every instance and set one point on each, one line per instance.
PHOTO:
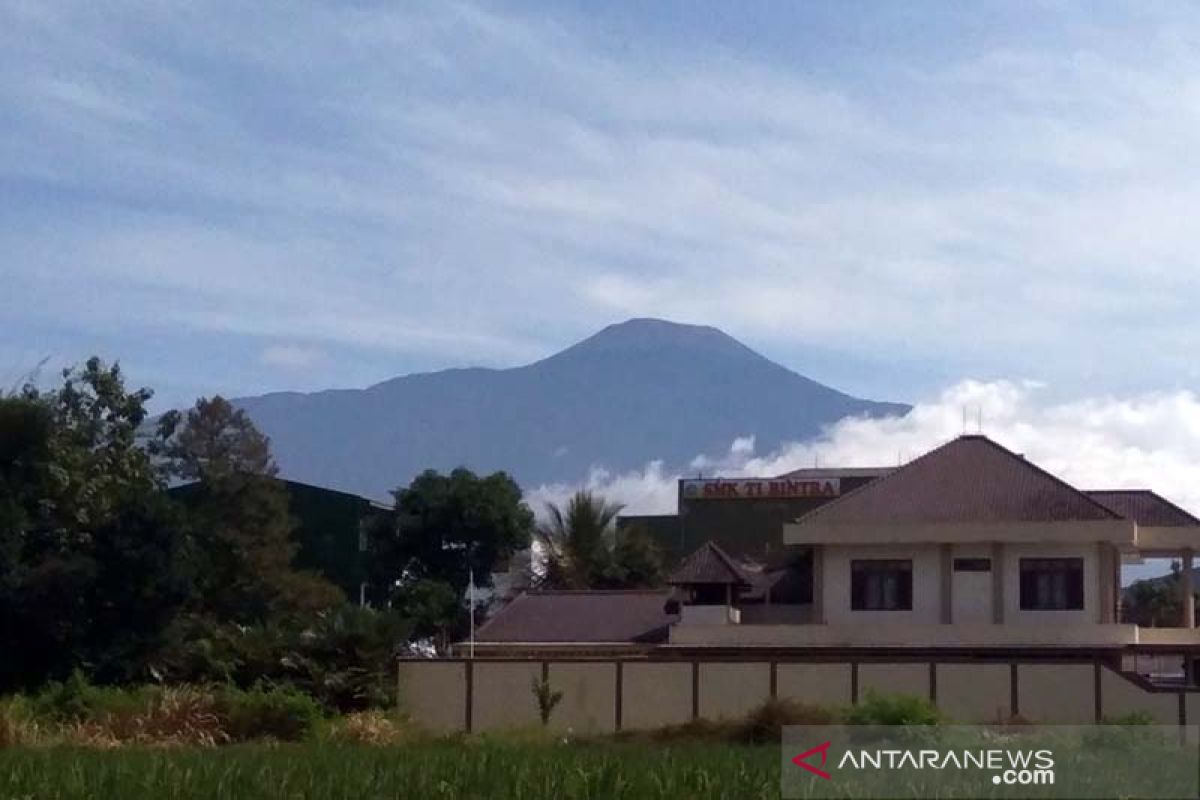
(634, 392)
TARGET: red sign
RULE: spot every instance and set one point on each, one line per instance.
(759, 488)
(802, 760)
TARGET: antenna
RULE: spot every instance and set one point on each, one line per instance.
(979, 419)
(964, 412)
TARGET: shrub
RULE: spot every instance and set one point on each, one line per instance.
(765, 723)
(369, 728)
(895, 709)
(547, 699)
(1132, 718)
(76, 699)
(261, 712)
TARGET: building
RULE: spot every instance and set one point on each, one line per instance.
(745, 516)
(330, 532)
(968, 546)
(969, 575)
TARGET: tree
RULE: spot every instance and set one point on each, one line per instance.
(1154, 602)
(239, 515)
(444, 527)
(582, 550)
(213, 441)
(92, 559)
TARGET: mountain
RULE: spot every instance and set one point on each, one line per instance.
(637, 391)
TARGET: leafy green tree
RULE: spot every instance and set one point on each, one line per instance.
(93, 559)
(239, 515)
(1154, 602)
(581, 548)
(443, 528)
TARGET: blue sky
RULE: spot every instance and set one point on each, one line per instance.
(889, 197)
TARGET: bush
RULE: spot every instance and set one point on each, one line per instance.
(76, 699)
(895, 709)
(1132, 718)
(262, 712)
(345, 658)
(765, 723)
(368, 728)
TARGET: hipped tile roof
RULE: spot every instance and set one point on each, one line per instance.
(708, 565)
(1144, 507)
(970, 479)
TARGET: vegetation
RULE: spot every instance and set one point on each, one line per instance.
(446, 528)
(893, 709)
(106, 573)
(583, 551)
(444, 769)
(546, 698)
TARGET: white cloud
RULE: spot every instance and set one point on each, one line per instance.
(291, 356)
(1149, 441)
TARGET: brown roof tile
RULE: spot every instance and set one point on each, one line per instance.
(709, 564)
(970, 479)
(580, 616)
(1144, 507)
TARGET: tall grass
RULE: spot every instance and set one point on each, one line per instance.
(428, 770)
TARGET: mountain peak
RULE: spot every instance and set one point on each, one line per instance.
(651, 334)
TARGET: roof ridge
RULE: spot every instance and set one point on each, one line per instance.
(1020, 459)
(726, 559)
(1172, 504)
(880, 480)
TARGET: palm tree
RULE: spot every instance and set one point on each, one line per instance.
(582, 550)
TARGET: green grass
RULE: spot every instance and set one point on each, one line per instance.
(443, 769)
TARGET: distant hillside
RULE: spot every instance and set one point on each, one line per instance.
(636, 391)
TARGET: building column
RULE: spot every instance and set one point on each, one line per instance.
(998, 583)
(1104, 580)
(1188, 598)
(947, 595)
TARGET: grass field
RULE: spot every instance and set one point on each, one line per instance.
(427, 770)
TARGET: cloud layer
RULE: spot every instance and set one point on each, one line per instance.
(1149, 441)
(406, 187)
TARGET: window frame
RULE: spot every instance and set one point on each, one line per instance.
(865, 570)
(1038, 576)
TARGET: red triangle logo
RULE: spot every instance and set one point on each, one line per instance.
(801, 760)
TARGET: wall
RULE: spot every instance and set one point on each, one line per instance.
(1013, 553)
(926, 584)
(605, 695)
(971, 592)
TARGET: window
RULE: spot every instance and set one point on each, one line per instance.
(972, 565)
(881, 585)
(1051, 584)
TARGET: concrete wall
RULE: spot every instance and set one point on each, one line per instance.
(971, 592)
(652, 694)
(1065, 619)
(656, 694)
(503, 694)
(906, 678)
(589, 696)
(975, 693)
(733, 689)
(814, 684)
(434, 693)
(926, 584)
(1062, 693)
